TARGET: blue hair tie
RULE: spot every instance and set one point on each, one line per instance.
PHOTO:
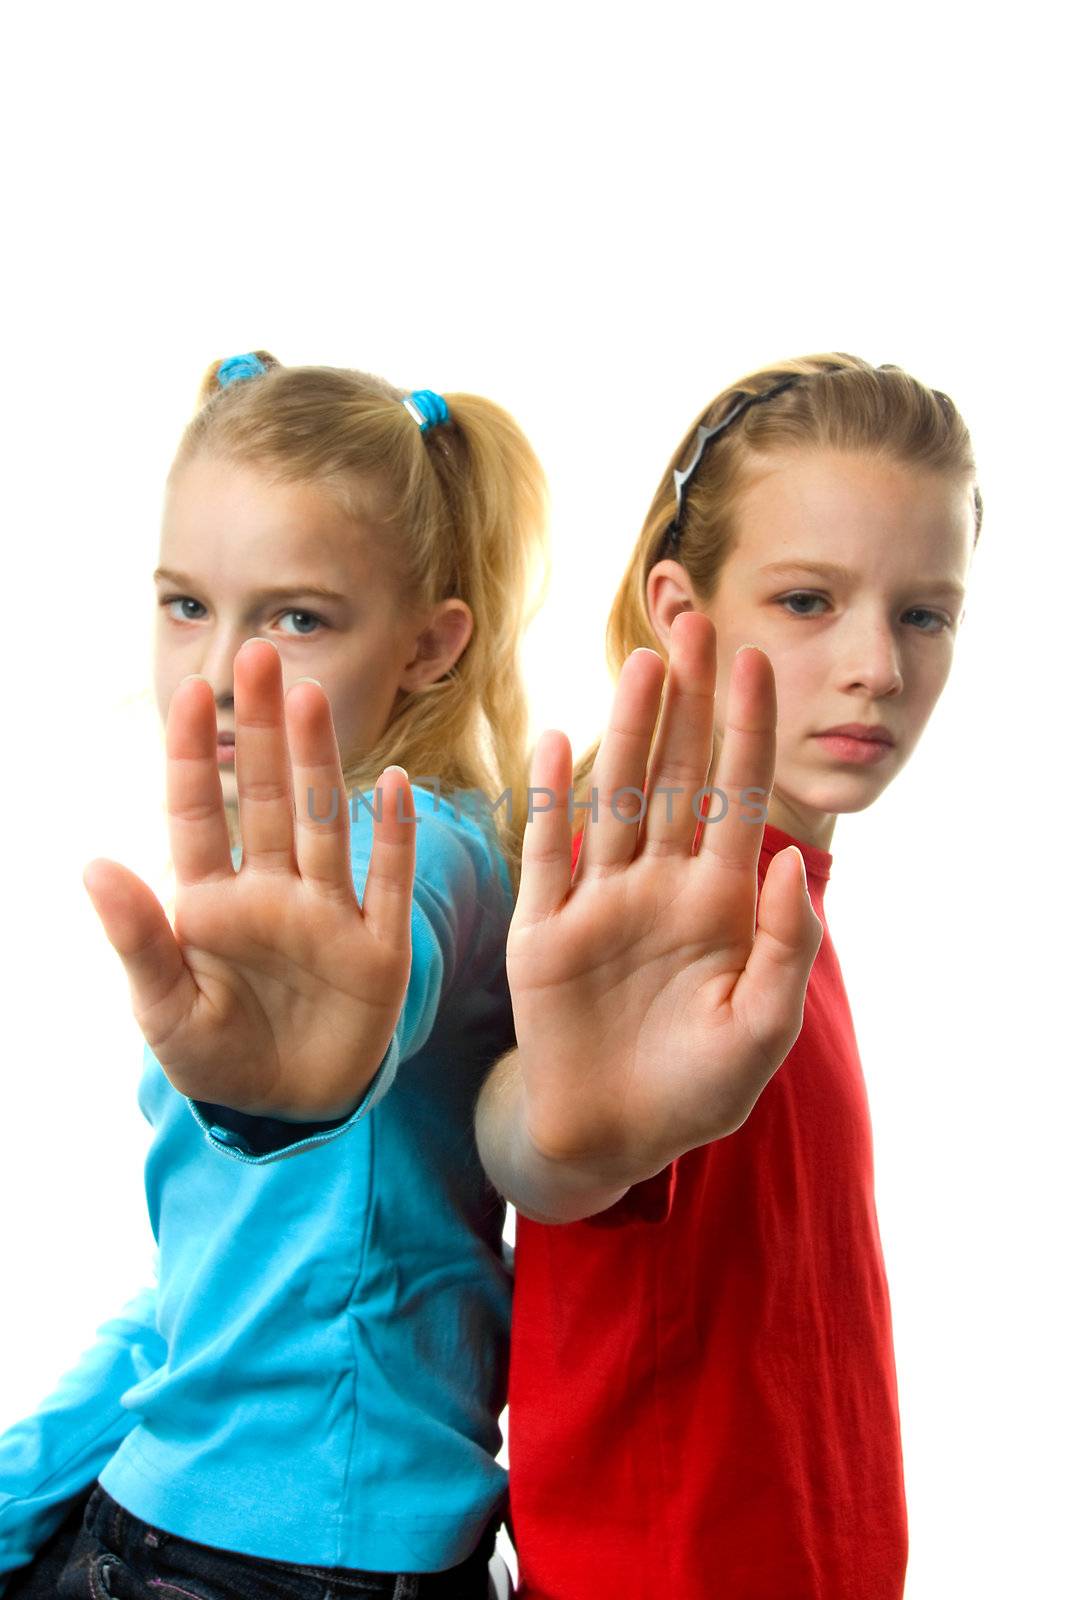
(427, 408)
(237, 368)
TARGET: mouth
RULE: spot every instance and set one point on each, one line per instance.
(870, 733)
(857, 742)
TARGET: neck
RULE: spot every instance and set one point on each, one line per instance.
(801, 822)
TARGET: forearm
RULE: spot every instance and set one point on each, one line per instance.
(541, 1188)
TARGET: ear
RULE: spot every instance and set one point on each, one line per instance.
(439, 645)
(668, 591)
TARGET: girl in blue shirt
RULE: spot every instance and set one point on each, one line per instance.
(308, 1402)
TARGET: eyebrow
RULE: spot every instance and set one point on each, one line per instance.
(278, 592)
(831, 569)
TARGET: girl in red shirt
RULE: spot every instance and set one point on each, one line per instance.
(703, 1394)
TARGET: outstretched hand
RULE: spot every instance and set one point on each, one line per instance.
(653, 998)
(275, 993)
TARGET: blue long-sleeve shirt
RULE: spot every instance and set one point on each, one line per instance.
(319, 1375)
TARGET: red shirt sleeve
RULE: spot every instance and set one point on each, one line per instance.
(644, 1202)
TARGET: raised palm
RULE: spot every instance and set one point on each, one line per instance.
(651, 1008)
(275, 992)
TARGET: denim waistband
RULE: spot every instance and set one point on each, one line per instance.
(164, 1559)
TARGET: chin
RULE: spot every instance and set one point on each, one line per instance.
(842, 799)
(839, 795)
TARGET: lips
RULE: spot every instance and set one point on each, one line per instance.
(874, 733)
(225, 738)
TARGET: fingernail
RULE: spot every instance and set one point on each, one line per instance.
(741, 647)
(315, 681)
(193, 677)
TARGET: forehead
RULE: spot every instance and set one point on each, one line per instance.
(248, 524)
(853, 508)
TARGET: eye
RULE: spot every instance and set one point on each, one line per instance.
(180, 600)
(805, 597)
(187, 614)
(921, 611)
(802, 595)
(308, 616)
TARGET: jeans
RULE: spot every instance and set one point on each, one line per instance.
(101, 1552)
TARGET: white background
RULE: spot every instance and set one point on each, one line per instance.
(598, 218)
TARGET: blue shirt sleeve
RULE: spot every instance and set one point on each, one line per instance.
(58, 1452)
(457, 870)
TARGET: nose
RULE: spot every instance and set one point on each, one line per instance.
(872, 661)
(216, 665)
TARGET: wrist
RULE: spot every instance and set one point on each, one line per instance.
(568, 1184)
(547, 1179)
(584, 1150)
(561, 1189)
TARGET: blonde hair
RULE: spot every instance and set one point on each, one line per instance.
(835, 402)
(461, 511)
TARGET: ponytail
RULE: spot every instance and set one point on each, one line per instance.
(495, 489)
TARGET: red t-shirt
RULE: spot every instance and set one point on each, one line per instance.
(703, 1392)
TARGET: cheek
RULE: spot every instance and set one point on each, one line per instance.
(928, 682)
(799, 676)
(928, 665)
(165, 640)
(162, 682)
(797, 711)
(801, 671)
(357, 706)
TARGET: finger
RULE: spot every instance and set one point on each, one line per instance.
(162, 989)
(321, 804)
(391, 875)
(682, 753)
(264, 778)
(769, 995)
(612, 827)
(545, 875)
(199, 841)
(744, 773)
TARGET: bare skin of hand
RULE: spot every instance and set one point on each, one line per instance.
(653, 997)
(276, 992)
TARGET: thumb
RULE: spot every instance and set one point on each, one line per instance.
(162, 989)
(769, 995)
